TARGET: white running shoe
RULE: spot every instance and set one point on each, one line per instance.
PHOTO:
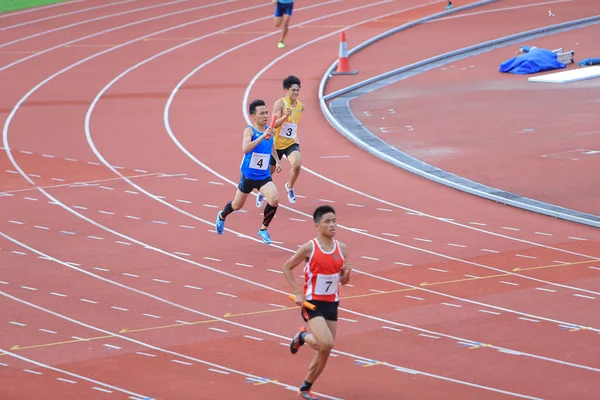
(259, 200)
(290, 193)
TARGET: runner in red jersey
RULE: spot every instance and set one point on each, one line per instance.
(326, 266)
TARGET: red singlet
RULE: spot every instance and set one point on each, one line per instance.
(322, 273)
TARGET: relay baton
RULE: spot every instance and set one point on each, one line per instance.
(308, 305)
(272, 125)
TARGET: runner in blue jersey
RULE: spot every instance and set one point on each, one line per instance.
(257, 146)
(283, 13)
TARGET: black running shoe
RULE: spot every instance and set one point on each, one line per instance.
(295, 345)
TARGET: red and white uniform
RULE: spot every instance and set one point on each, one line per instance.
(322, 273)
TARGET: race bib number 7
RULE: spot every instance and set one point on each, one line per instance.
(288, 130)
(259, 161)
(327, 284)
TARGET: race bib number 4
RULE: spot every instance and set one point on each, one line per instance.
(259, 161)
(327, 284)
(288, 130)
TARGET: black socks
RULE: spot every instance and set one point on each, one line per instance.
(226, 211)
(305, 386)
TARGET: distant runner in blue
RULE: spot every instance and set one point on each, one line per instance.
(258, 149)
(283, 12)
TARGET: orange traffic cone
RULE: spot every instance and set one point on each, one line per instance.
(343, 67)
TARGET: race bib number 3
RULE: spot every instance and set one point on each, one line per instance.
(288, 130)
(327, 284)
(259, 161)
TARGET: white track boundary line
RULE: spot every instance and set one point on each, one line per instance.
(62, 371)
(443, 220)
(63, 27)
(82, 10)
(140, 343)
(268, 333)
(114, 29)
(30, 10)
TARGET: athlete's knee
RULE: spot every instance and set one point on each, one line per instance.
(274, 200)
(236, 205)
(325, 346)
(297, 166)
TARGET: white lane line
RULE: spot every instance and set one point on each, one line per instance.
(226, 294)
(584, 296)
(546, 290)
(219, 371)
(490, 251)
(66, 380)
(33, 372)
(423, 240)
(370, 258)
(489, 312)
(182, 362)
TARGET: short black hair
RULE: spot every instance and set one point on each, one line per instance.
(254, 104)
(320, 211)
(290, 81)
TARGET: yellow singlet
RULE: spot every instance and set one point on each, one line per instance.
(287, 134)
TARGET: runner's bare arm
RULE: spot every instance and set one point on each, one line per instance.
(278, 166)
(302, 254)
(247, 143)
(279, 111)
(347, 268)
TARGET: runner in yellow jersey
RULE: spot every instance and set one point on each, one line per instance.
(288, 110)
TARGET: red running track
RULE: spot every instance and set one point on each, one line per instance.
(111, 271)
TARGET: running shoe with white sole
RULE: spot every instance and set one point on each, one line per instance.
(259, 200)
(291, 195)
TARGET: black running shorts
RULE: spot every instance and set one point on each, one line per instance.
(247, 185)
(325, 309)
(287, 151)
